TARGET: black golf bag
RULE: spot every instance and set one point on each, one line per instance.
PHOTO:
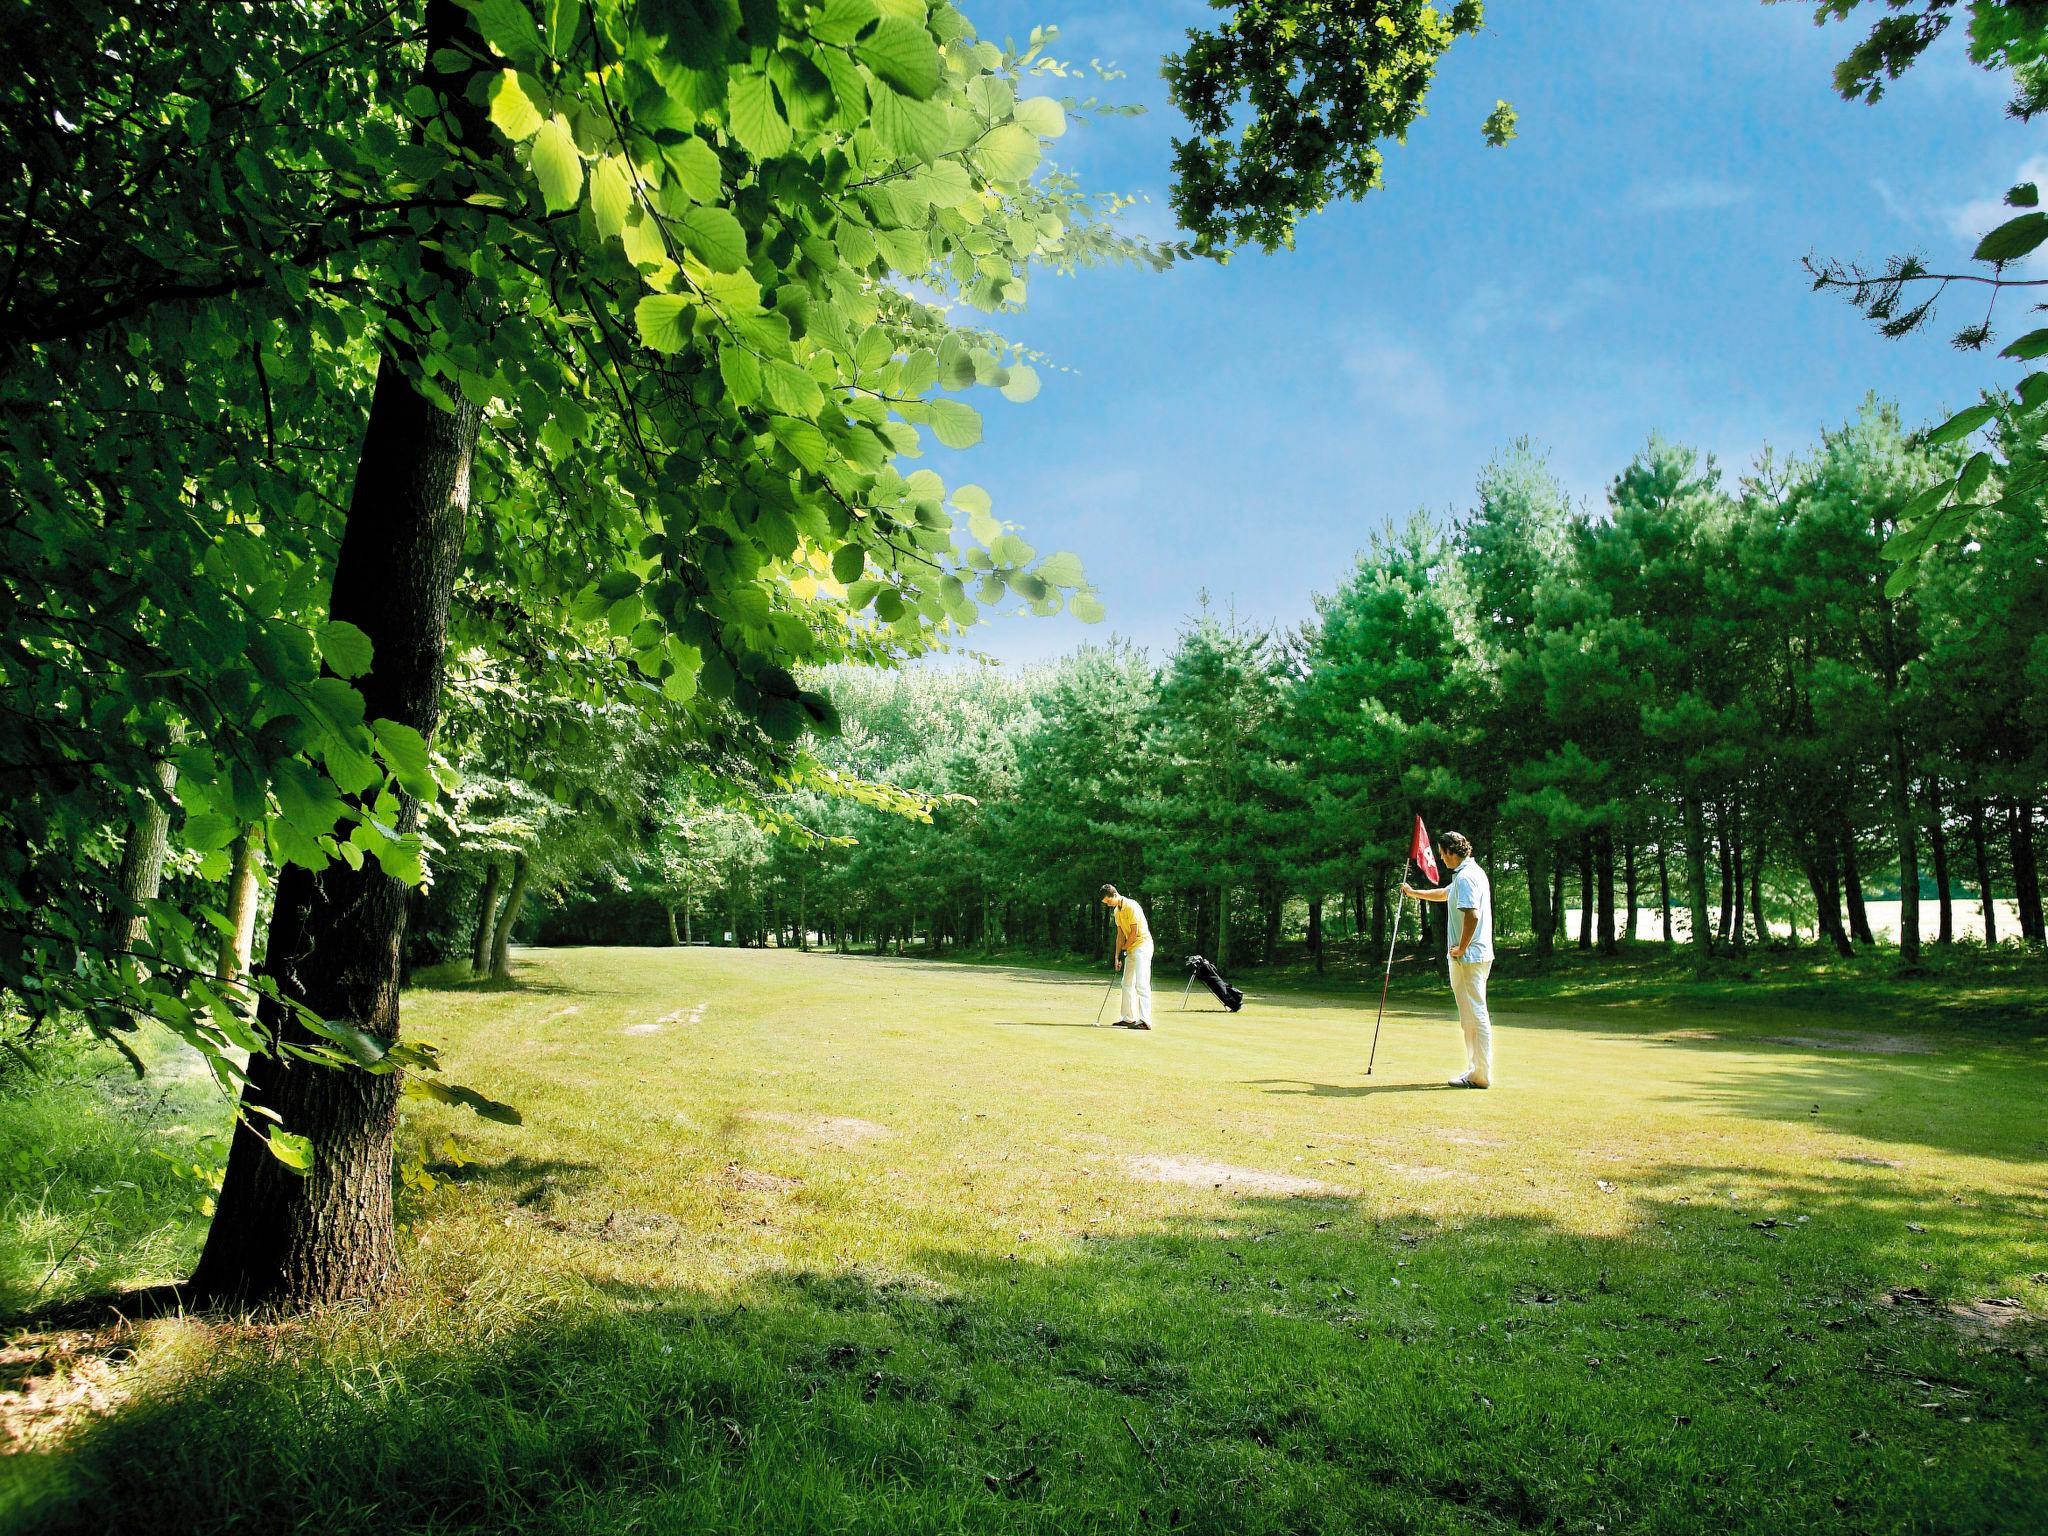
(1206, 973)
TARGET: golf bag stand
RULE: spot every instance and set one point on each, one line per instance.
(1204, 971)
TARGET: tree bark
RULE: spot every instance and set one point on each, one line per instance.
(1756, 886)
(1542, 920)
(1604, 862)
(1822, 875)
(1852, 892)
(1979, 846)
(142, 861)
(501, 937)
(1315, 931)
(486, 923)
(1724, 926)
(1223, 925)
(1628, 883)
(1904, 823)
(1696, 879)
(1937, 834)
(1737, 889)
(1664, 885)
(336, 936)
(2026, 872)
(1585, 890)
(1557, 895)
(245, 893)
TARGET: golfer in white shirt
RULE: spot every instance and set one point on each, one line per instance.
(1470, 895)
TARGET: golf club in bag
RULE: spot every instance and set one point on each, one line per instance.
(1204, 971)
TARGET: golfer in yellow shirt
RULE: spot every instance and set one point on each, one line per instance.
(1133, 957)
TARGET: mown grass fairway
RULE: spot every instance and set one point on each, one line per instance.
(802, 1242)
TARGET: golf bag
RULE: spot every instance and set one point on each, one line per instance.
(1206, 973)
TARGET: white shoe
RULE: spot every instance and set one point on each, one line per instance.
(1465, 1081)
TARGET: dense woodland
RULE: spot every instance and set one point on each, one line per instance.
(1696, 700)
(454, 453)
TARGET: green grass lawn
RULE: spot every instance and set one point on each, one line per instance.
(814, 1243)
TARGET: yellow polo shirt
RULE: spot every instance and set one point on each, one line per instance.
(1131, 928)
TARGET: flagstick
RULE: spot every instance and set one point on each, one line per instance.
(1400, 911)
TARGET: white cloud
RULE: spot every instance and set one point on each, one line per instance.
(1689, 194)
(1396, 379)
(1494, 307)
(1972, 221)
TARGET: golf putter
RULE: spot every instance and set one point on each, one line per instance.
(1105, 999)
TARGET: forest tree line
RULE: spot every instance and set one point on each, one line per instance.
(1696, 701)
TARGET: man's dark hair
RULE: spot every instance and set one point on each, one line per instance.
(1109, 890)
(1455, 842)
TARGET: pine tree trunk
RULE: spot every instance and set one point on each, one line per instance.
(245, 894)
(1629, 884)
(1852, 892)
(1821, 874)
(1737, 887)
(1724, 924)
(486, 922)
(1664, 885)
(1223, 925)
(280, 1237)
(1585, 890)
(1756, 887)
(1542, 918)
(1696, 880)
(1315, 930)
(1903, 821)
(1557, 894)
(1937, 833)
(1979, 845)
(501, 938)
(1604, 865)
(2026, 872)
(670, 913)
(142, 861)
(1271, 946)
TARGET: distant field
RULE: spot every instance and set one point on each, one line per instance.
(809, 1242)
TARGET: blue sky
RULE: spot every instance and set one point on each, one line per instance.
(1630, 263)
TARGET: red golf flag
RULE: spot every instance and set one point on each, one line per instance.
(1419, 852)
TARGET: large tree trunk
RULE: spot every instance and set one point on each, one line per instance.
(1223, 925)
(2026, 873)
(1903, 821)
(486, 923)
(1937, 832)
(142, 860)
(1315, 930)
(1604, 861)
(1980, 847)
(1542, 920)
(669, 912)
(336, 935)
(1724, 926)
(1696, 879)
(1736, 887)
(1756, 886)
(245, 893)
(1852, 892)
(501, 936)
(1274, 906)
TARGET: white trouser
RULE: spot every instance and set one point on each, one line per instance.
(1138, 983)
(1468, 985)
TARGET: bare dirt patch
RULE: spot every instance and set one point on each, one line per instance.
(643, 1029)
(833, 1130)
(1868, 1161)
(1856, 1044)
(755, 1181)
(1459, 1138)
(48, 1381)
(1200, 1174)
(1988, 1317)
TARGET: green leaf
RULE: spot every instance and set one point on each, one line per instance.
(345, 648)
(1973, 474)
(1087, 607)
(756, 121)
(742, 374)
(1042, 116)
(955, 423)
(2032, 345)
(512, 109)
(611, 194)
(291, 1149)
(1062, 569)
(404, 752)
(2014, 238)
(1961, 425)
(507, 25)
(806, 444)
(557, 165)
(715, 238)
(1009, 154)
(902, 54)
(1022, 384)
(660, 318)
(848, 561)
(696, 168)
(2025, 195)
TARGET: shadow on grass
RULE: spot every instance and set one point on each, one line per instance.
(1265, 1366)
(1295, 1086)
